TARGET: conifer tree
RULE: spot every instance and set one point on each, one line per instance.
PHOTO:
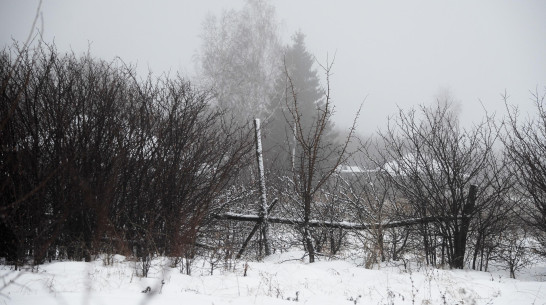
(298, 73)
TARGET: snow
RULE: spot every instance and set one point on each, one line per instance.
(331, 224)
(350, 169)
(279, 279)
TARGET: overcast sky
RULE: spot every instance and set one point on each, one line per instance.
(395, 53)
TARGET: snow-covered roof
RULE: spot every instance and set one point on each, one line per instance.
(353, 169)
(408, 164)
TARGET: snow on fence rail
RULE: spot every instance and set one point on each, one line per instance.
(335, 224)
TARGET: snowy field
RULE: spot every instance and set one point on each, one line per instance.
(279, 279)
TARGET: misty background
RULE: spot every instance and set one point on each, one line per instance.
(128, 128)
(388, 54)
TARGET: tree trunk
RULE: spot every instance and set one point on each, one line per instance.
(461, 231)
(306, 230)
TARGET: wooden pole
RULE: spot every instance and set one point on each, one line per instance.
(254, 229)
(263, 196)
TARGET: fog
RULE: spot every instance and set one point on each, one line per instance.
(387, 54)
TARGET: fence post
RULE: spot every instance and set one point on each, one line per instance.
(263, 196)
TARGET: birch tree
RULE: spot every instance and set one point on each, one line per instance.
(240, 57)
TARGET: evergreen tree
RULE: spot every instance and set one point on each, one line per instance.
(301, 122)
(299, 79)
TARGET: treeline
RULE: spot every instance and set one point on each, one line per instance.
(427, 188)
(423, 187)
(95, 161)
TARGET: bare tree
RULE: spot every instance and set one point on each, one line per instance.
(129, 164)
(315, 158)
(240, 57)
(447, 173)
(526, 147)
(513, 247)
(372, 200)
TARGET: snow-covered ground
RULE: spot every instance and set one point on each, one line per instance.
(279, 279)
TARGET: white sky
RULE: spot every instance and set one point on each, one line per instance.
(394, 52)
